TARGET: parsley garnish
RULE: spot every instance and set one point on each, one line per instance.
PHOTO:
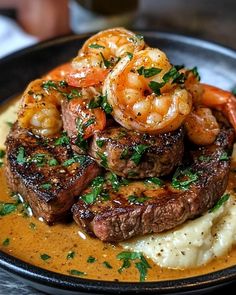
(156, 86)
(91, 259)
(2, 153)
(21, 159)
(45, 256)
(114, 180)
(139, 150)
(62, 140)
(100, 142)
(32, 225)
(107, 264)
(195, 73)
(70, 255)
(97, 186)
(220, 202)
(125, 154)
(103, 158)
(76, 272)
(96, 46)
(106, 62)
(46, 186)
(154, 180)
(147, 73)
(224, 157)
(142, 265)
(137, 200)
(6, 242)
(204, 158)
(130, 55)
(139, 36)
(183, 178)
(105, 105)
(52, 162)
(38, 159)
(7, 208)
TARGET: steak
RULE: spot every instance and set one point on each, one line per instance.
(146, 207)
(131, 154)
(47, 173)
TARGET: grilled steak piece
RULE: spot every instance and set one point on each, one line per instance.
(48, 175)
(131, 154)
(140, 208)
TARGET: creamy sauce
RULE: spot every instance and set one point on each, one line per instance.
(30, 238)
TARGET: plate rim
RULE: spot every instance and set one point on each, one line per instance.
(38, 275)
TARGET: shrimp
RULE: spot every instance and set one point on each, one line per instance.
(201, 126)
(99, 55)
(145, 95)
(59, 73)
(221, 100)
(41, 107)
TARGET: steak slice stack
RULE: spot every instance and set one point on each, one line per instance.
(131, 154)
(137, 208)
(48, 174)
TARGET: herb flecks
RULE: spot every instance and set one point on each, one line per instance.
(224, 156)
(148, 72)
(107, 264)
(45, 256)
(133, 199)
(62, 140)
(91, 259)
(182, 179)
(70, 255)
(141, 263)
(75, 272)
(156, 87)
(154, 180)
(139, 151)
(21, 157)
(6, 242)
(46, 186)
(220, 202)
(106, 62)
(96, 46)
(97, 186)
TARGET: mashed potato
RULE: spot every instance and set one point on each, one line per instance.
(194, 243)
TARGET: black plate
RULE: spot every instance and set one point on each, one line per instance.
(217, 66)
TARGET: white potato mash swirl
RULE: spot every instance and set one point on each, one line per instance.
(194, 243)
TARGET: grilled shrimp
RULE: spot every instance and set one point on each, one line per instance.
(145, 94)
(100, 53)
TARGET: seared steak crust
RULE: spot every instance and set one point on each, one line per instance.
(39, 172)
(164, 208)
(159, 154)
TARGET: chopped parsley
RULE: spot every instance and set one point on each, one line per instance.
(20, 158)
(107, 264)
(114, 180)
(137, 199)
(96, 46)
(76, 272)
(125, 154)
(97, 186)
(38, 159)
(139, 150)
(224, 157)
(100, 142)
(6, 242)
(62, 140)
(49, 84)
(182, 179)
(46, 186)
(91, 259)
(149, 72)
(130, 55)
(32, 225)
(195, 73)
(105, 105)
(52, 162)
(220, 202)
(45, 256)
(2, 154)
(156, 86)
(7, 208)
(142, 265)
(70, 255)
(106, 62)
(154, 180)
(204, 158)
(103, 158)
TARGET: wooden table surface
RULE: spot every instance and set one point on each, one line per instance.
(212, 20)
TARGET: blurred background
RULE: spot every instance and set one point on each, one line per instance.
(25, 22)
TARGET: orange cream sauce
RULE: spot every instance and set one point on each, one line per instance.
(29, 238)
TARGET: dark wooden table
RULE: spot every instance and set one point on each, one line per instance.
(212, 20)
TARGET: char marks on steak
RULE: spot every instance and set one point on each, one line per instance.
(134, 155)
(162, 208)
(48, 176)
